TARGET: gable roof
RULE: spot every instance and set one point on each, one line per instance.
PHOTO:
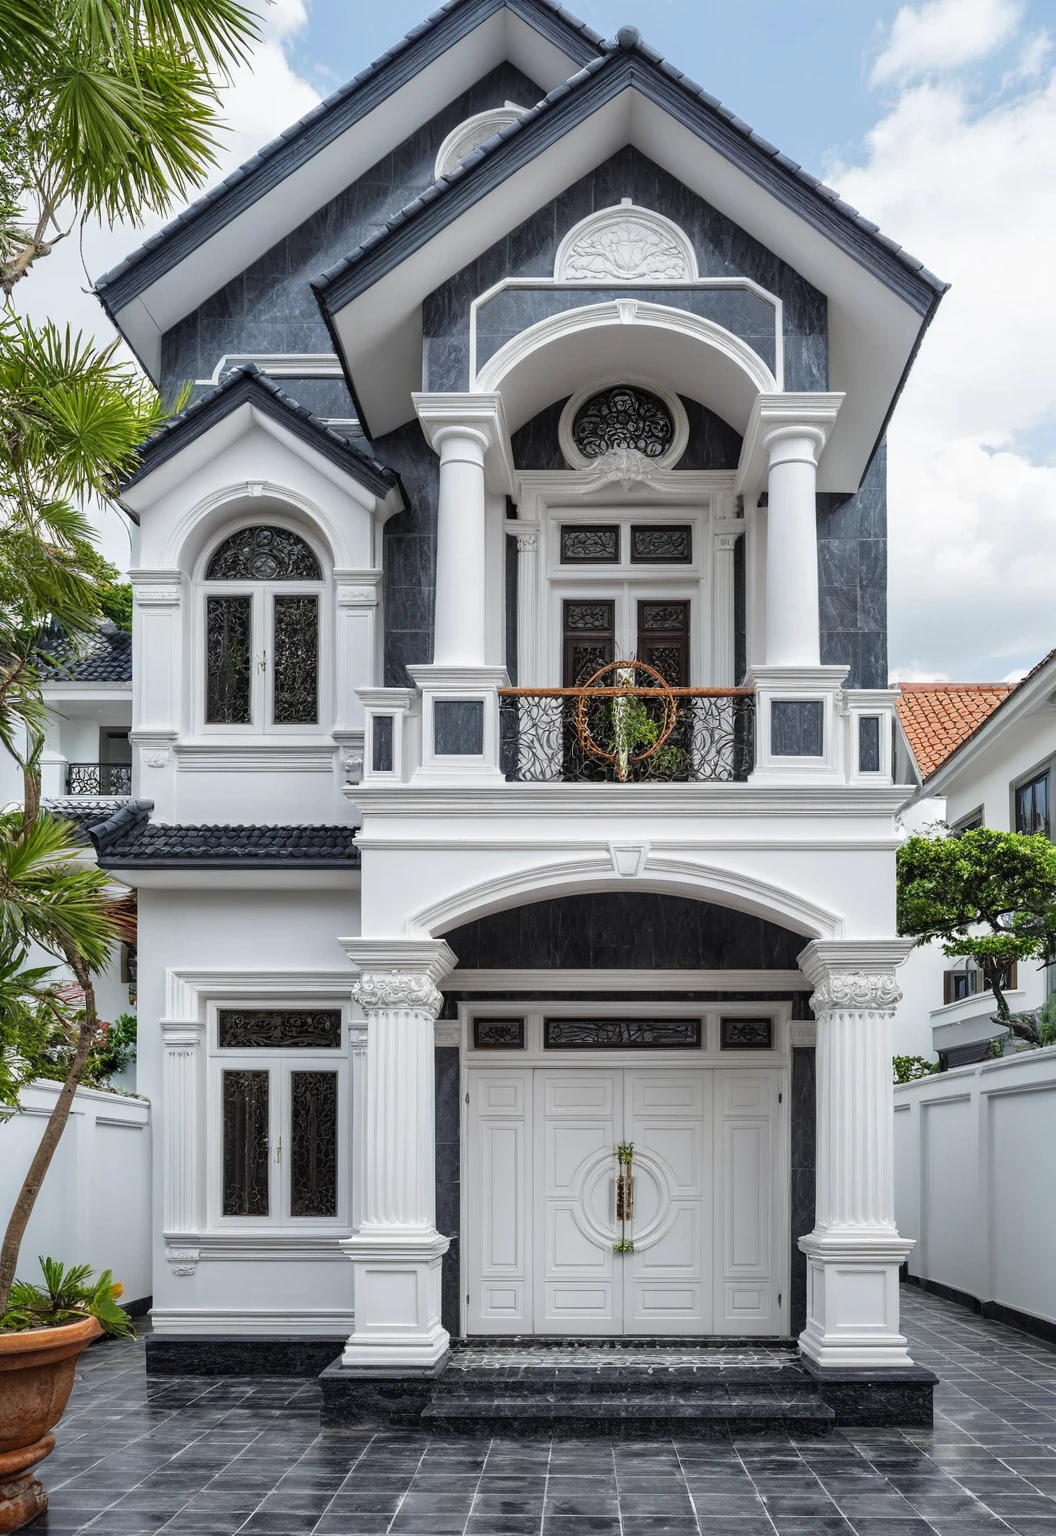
(247, 385)
(881, 300)
(547, 38)
(939, 717)
(105, 657)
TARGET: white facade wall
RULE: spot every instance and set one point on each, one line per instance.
(968, 1185)
(95, 1204)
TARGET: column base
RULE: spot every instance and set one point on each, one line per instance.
(852, 1301)
(396, 1293)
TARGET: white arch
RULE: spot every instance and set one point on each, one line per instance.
(692, 354)
(233, 506)
(661, 875)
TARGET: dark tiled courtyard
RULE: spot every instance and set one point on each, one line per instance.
(219, 1456)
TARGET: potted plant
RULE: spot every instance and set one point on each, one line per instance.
(43, 1331)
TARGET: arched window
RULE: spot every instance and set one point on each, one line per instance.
(263, 591)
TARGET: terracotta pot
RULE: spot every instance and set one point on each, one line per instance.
(36, 1378)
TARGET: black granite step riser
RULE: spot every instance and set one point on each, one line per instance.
(546, 1383)
(641, 1428)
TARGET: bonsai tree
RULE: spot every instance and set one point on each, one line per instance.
(986, 895)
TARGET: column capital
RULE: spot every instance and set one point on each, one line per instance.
(804, 413)
(854, 975)
(481, 417)
(400, 973)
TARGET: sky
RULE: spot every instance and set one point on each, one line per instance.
(937, 120)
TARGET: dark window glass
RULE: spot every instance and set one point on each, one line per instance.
(296, 660)
(498, 1034)
(381, 730)
(621, 1034)
(252, 1029)
(228, 660)
(313, 1143)
(623, 417)
(595, 546)
(746, 1034)
(869, 744)
(662, 546)
(245, 1138)
(263, 554)
(1032, 805)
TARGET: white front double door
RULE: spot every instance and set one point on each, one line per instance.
(542, 1220)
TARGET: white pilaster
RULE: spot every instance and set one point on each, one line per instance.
(397, 1251)
(157, 698)
(182, 1131)
(722, 597)
(854, 1252)
(529, 663)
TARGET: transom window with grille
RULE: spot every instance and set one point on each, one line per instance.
(280, 1117)
(263, 595)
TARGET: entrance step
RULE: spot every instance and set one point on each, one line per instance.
(628, 1414)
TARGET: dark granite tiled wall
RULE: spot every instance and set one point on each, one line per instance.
(722, 249)
(270, 307)
(802, 1168)
(614, 929)
(409, 555)
(852, 577)
(448, 1191)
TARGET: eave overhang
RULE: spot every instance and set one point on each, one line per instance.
(247, 396)
(880, 299)
(315, 159)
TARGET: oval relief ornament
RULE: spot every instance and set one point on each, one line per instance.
(628, 249)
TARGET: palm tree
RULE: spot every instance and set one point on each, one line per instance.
(110, 109)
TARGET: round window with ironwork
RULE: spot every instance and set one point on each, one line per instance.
(623, 417)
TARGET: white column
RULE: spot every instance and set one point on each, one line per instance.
(529, 669)
(461, 565)
(854, 1252)
(792, 618)
(722, 595)
(397, 1251)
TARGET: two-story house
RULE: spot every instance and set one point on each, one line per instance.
(513, 810)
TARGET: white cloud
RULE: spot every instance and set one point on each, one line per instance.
(943, 35)
(972, 488)
(264, 97)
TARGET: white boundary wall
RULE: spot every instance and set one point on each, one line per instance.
(94, 1206)
(973, 1180)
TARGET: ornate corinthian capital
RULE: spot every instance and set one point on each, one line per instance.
(868, 991)
(397, 989)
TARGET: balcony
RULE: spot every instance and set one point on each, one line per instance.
(99, 778)
(626, 732)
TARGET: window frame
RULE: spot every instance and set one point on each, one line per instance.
(280, 1062)
(1042, 770)
(261, 725)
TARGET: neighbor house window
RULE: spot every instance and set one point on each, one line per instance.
(263, 594)
(1032, 805)
(958, 985)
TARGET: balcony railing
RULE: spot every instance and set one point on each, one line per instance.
(99, 778)
(626, 733)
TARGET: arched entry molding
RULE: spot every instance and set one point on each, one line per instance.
(691, 354)
(602, 872)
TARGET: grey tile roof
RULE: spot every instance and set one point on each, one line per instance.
(83, 812)
(130, 838)
(105, 657)
(628, 44)
(248, 383)
(298, 143)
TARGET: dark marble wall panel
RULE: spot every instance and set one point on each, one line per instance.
(270, 307)
(409, 553)
(713, 443)
(797, 728)
(458, 727)
(448, 1182)
(852, 577)
(615, 929)
(803, 1129)
(722, 249)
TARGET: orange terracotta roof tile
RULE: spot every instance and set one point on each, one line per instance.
(939, 717)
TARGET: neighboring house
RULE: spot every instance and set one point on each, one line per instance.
(490, 398)
(985, 753)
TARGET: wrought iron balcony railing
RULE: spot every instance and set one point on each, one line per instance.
(99, 778)
(613, 729)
